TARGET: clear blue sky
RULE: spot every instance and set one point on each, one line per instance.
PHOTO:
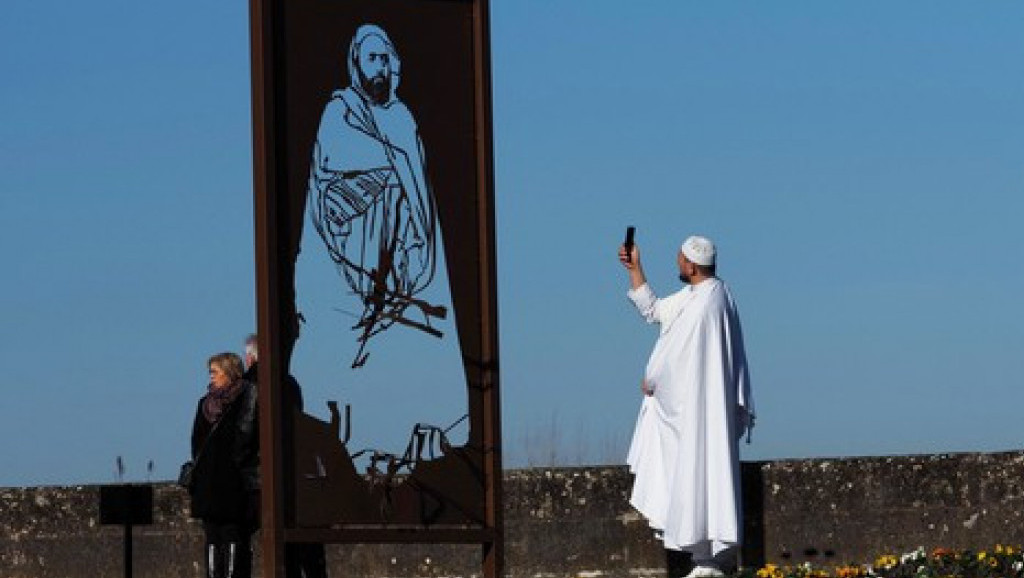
(860, 164)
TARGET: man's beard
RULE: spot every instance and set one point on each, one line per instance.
(684, 278)
(377, 88)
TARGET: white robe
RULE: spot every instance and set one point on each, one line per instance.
(685, 449)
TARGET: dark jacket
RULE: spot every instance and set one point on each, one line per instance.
(226, 476)
(292, 398)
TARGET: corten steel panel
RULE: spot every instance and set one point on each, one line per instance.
(298, 50)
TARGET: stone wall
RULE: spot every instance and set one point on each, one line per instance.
(577, 522)
(851, 510)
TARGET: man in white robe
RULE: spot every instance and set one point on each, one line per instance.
(696, 407)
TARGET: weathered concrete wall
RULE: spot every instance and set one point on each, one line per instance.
(577, 522)
(55, 532)
(558, 522)
(851, 510)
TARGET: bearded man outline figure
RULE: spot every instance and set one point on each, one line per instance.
(368, 195)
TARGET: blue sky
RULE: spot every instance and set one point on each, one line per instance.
(860, 165)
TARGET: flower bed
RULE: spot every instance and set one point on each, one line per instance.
(1001, 562)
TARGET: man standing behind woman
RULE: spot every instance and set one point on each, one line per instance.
(225, 449)
(301, 559)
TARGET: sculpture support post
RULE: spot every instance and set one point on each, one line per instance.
(263, 34)
(493, 551)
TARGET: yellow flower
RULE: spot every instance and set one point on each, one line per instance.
(886, 562)
(849, 572)
(981, 555)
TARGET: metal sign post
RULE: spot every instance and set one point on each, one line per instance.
(128, 505)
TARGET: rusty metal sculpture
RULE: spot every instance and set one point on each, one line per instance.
(369, 197)
(351, 163)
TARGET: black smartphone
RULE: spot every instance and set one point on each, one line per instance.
(630, 233)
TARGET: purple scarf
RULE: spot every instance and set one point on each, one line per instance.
(216, 400)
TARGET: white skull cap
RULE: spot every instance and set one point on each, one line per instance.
(699, 250)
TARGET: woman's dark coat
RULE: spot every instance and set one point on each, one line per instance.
(226, 476)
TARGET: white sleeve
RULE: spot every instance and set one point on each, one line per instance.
(646, 302)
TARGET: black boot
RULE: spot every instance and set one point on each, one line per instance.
(239, 560)
(214, 560)
(305, 560)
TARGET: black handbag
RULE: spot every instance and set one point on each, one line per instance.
(185, 476)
